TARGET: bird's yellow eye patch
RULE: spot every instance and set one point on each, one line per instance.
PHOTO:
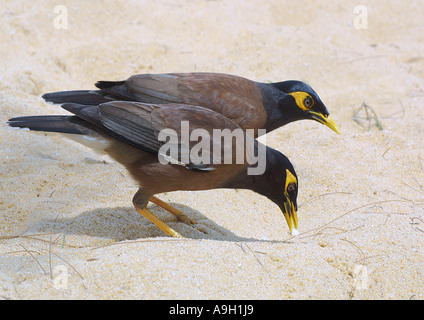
(303, 100)
(290, 178)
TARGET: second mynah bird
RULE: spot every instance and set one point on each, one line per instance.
(250, 104)
(129, 133)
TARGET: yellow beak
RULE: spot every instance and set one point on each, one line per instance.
(291, 217)
(328, 121)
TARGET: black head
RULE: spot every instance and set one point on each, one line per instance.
(303, 102)
(282, 186)
(278, 183)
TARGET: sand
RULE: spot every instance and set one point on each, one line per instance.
(67, 226)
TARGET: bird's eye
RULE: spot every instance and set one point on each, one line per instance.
(291, 187)
(308, 102)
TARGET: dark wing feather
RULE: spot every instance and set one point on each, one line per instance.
(237, 98)
(157, 88)
(203, 128)
(87, 112)
(140, 125)
(131, 122)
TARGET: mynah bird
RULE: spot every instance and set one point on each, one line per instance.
(130, 132)
(252, 105)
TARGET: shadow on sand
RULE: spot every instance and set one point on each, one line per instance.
(124, 223)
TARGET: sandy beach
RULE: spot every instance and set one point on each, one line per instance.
(68, 229)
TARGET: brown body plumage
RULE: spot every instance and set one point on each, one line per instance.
(128, 132)
(252, 105)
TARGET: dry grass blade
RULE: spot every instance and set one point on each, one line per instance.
(370, 116)
(324, 195)
(33, 257)
(72, 267)
(254, 253)
(319, 229)
(413, 222)
(415, 189)
(397, 114)
(35, 237)
(144, 240)
(356, 246)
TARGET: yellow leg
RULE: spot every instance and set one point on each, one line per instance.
(179, 214)
(160, 224)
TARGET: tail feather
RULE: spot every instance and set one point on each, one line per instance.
(62, 124)
(109, 91)
(87, 97)
(108, 84)
(116, 89)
